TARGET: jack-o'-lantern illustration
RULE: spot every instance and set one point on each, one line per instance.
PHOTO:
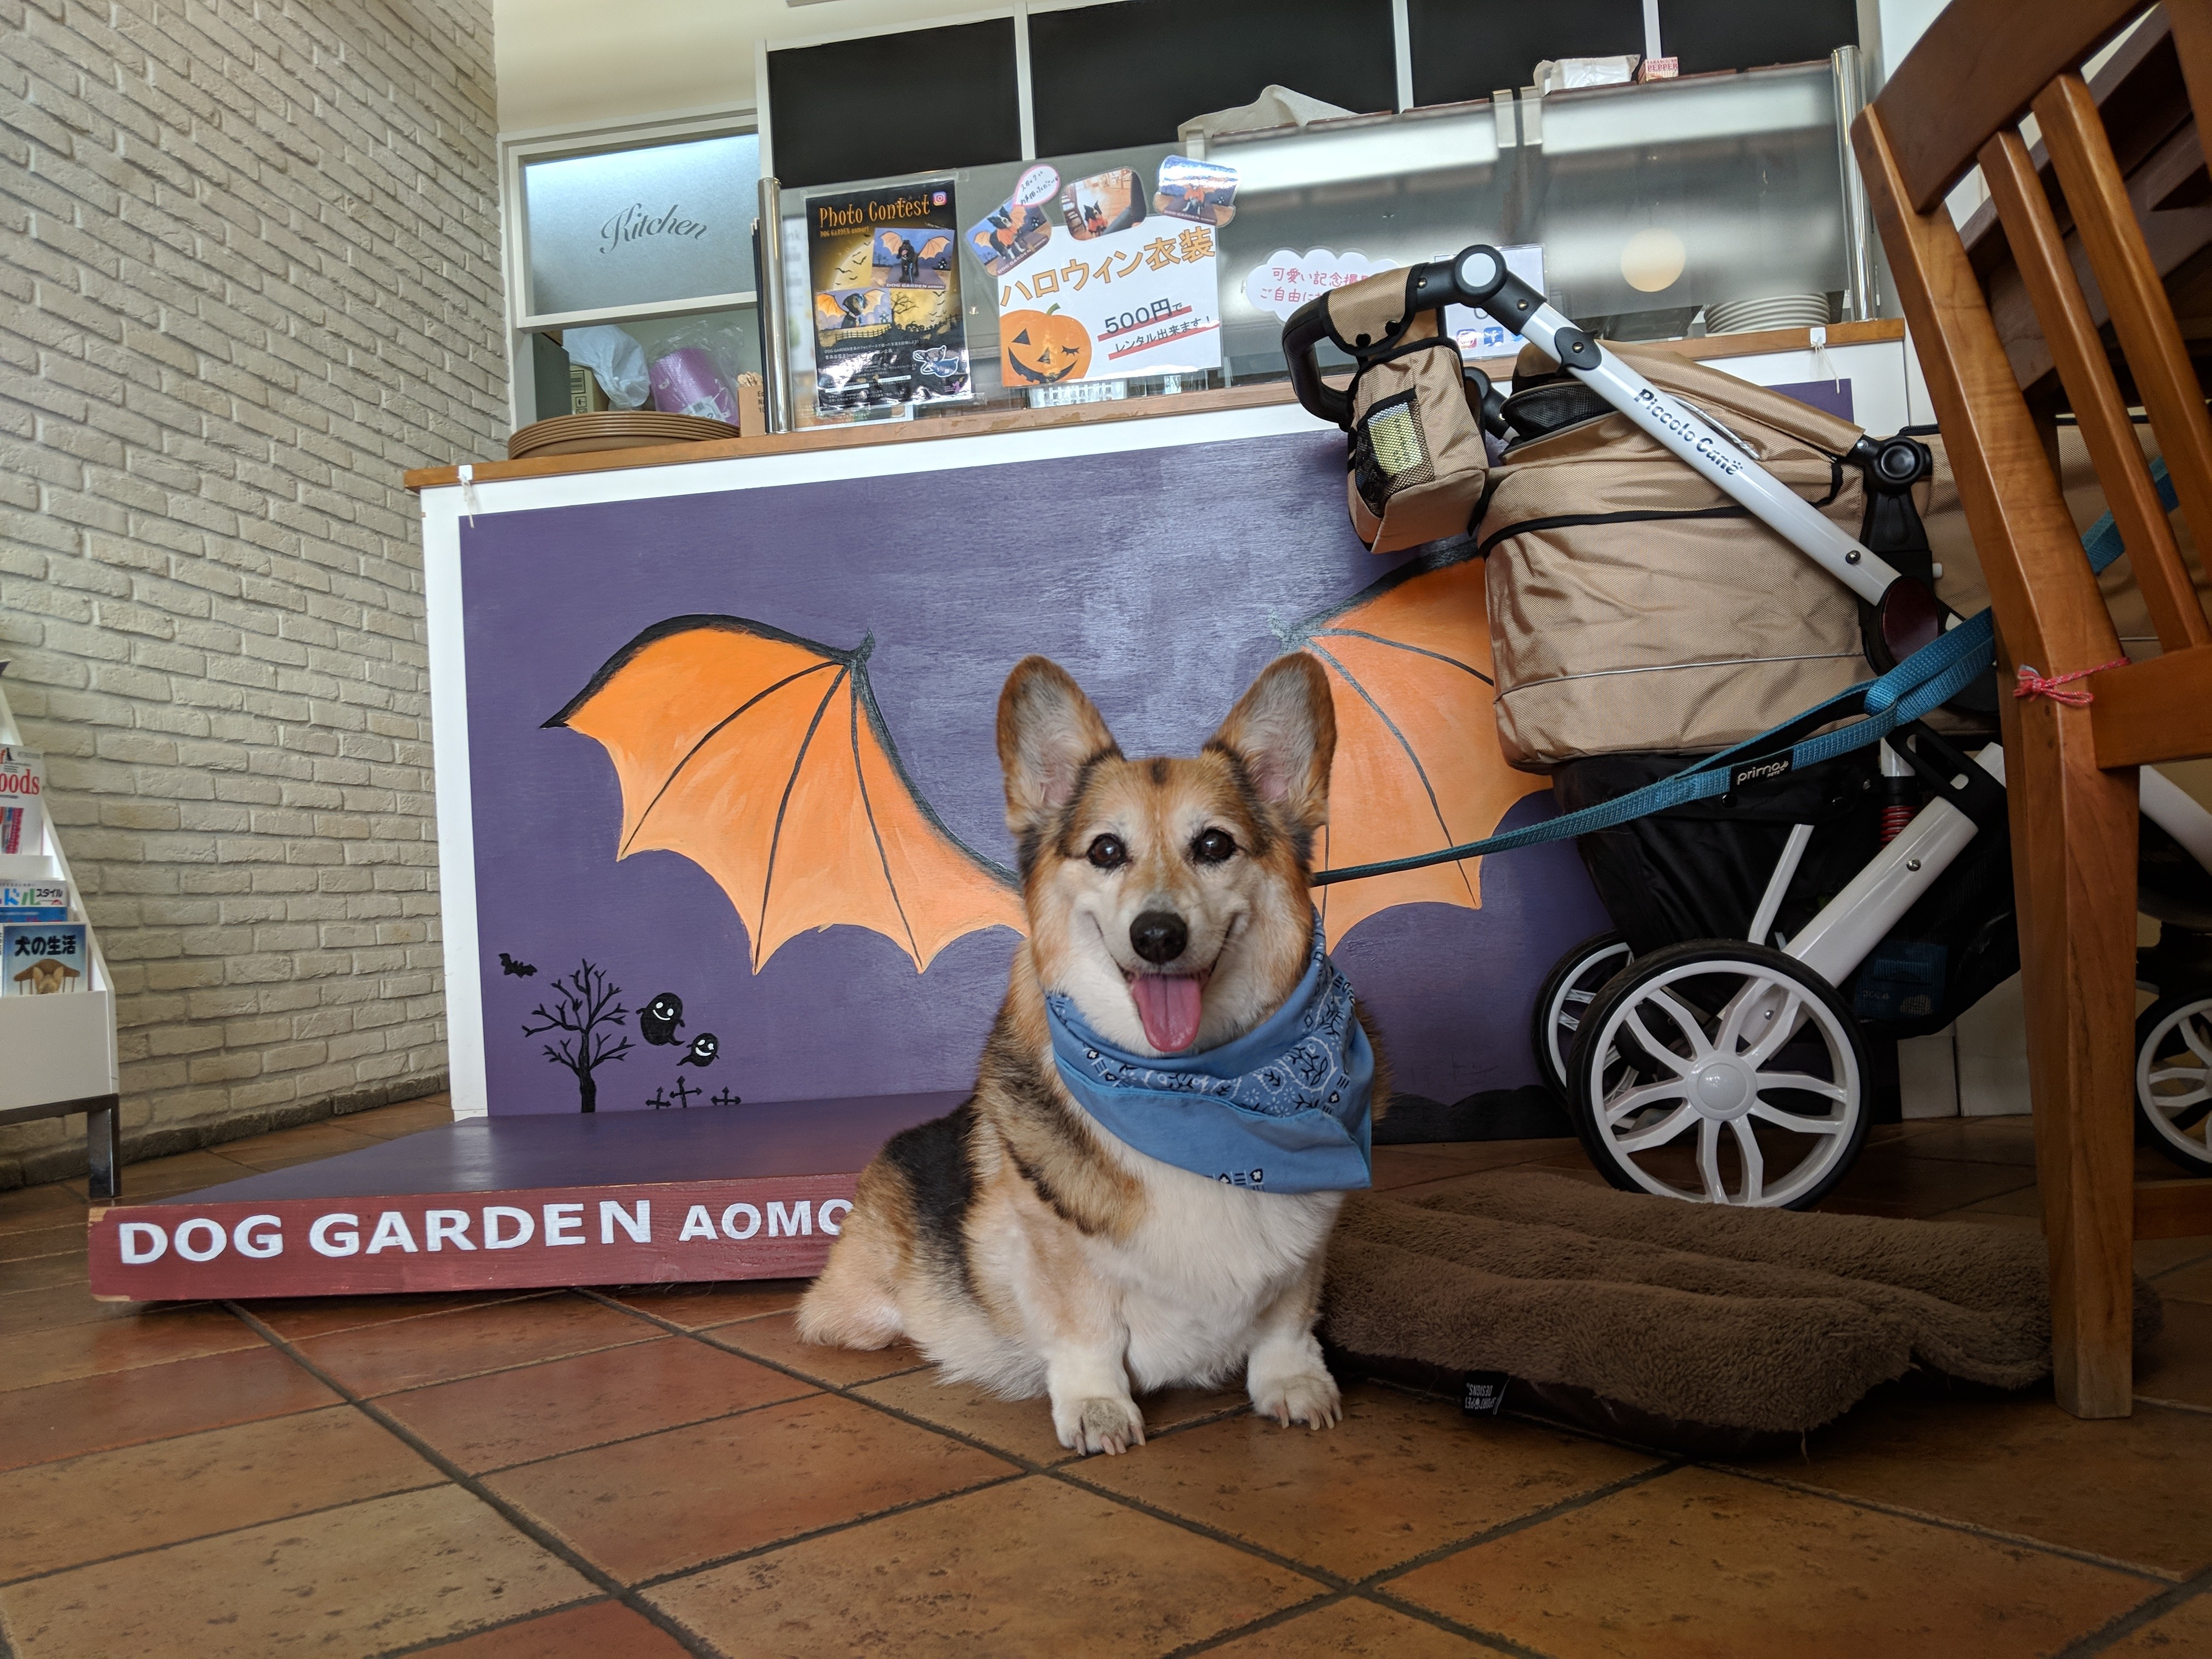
(1041, 347)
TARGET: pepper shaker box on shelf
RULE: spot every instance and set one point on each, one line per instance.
(503, 1203)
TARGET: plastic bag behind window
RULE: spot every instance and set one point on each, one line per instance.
(616, 359)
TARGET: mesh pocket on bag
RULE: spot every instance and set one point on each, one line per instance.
(1389, 451)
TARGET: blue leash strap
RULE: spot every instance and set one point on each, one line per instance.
(1922, 684)
(2103, 544)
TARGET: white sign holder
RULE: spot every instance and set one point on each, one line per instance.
(58, 1052)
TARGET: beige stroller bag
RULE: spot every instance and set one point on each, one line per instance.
(1634, 608)
(1418, 462)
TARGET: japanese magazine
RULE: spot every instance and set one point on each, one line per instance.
(40, 959)
(35, 901)
(22, 812)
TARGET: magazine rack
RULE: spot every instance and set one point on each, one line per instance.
(58, 1052)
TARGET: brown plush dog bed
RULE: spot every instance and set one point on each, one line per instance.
(1699, 1327)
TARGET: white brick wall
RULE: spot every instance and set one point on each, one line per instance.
(249, 271)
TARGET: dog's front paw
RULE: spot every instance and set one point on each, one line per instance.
(1100, 1424)
(1308, 1397)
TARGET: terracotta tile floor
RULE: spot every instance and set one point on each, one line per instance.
(663, 1471)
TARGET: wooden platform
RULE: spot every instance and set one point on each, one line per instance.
(490, 1203)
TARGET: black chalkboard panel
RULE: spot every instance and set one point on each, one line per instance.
(922, 100)
(1462, 51)
(1105, 76)
(1735, 35)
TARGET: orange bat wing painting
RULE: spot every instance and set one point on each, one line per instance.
(762, 758)
(1418, 765)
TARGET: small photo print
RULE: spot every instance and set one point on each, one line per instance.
(1196, 189)
(852, 307)
(1009, 236)
(1103, 203)
(39, 959)
(919, 257)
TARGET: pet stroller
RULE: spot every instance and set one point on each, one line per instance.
(1670, 566)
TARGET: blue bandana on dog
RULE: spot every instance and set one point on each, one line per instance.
(1284, 1108)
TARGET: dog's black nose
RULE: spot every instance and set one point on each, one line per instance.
(1158, 935)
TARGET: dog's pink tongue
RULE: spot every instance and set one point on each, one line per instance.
(1171, 1006)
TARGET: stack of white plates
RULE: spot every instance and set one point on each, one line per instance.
(1775, 311)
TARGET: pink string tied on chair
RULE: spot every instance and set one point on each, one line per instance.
(2032, 684)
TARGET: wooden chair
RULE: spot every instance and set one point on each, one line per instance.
(1958, 100)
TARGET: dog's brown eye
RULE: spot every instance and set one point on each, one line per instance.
(1212, 846)
(1108, 852)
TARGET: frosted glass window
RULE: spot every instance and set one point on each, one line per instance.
(642, 227)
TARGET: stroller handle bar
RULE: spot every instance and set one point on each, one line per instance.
(1477, 277)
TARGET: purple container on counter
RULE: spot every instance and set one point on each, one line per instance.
(687, 381)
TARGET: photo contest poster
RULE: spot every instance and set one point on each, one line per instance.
(1105, 279)
(888, 328)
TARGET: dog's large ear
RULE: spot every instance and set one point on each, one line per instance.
(1284, 733)
(1048, 731)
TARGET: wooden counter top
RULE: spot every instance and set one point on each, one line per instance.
(860, 433)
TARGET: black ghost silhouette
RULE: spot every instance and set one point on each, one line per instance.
(657, 1021)
(704, 1048)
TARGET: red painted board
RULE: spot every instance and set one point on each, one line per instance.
(762, 1227)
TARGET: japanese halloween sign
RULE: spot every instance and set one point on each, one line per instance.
(1119, 283)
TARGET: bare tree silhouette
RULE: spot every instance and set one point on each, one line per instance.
(585, 1001)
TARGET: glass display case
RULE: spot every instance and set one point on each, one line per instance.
(1715, 203)
(1652, 204)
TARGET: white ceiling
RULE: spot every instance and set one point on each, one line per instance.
(580, 62)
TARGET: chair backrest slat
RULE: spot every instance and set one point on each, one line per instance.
(2039, 252)
(2143, 322)
(2189, 23)
(2047, 602)
(1976, 70)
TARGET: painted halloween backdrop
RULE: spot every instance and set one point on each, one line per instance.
(737, 814)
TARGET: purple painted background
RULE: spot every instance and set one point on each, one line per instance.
(1153, 576)
(1832, 397)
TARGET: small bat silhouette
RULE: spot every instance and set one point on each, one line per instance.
(704, 1048)
(660, 1020)
(507, 965)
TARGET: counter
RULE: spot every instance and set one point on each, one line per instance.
(709, 717)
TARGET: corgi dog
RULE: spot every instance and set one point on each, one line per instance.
(1017, 1242)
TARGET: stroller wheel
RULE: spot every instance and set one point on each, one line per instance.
(1721, 1073)
(2173, 1076)
(1567, 992)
